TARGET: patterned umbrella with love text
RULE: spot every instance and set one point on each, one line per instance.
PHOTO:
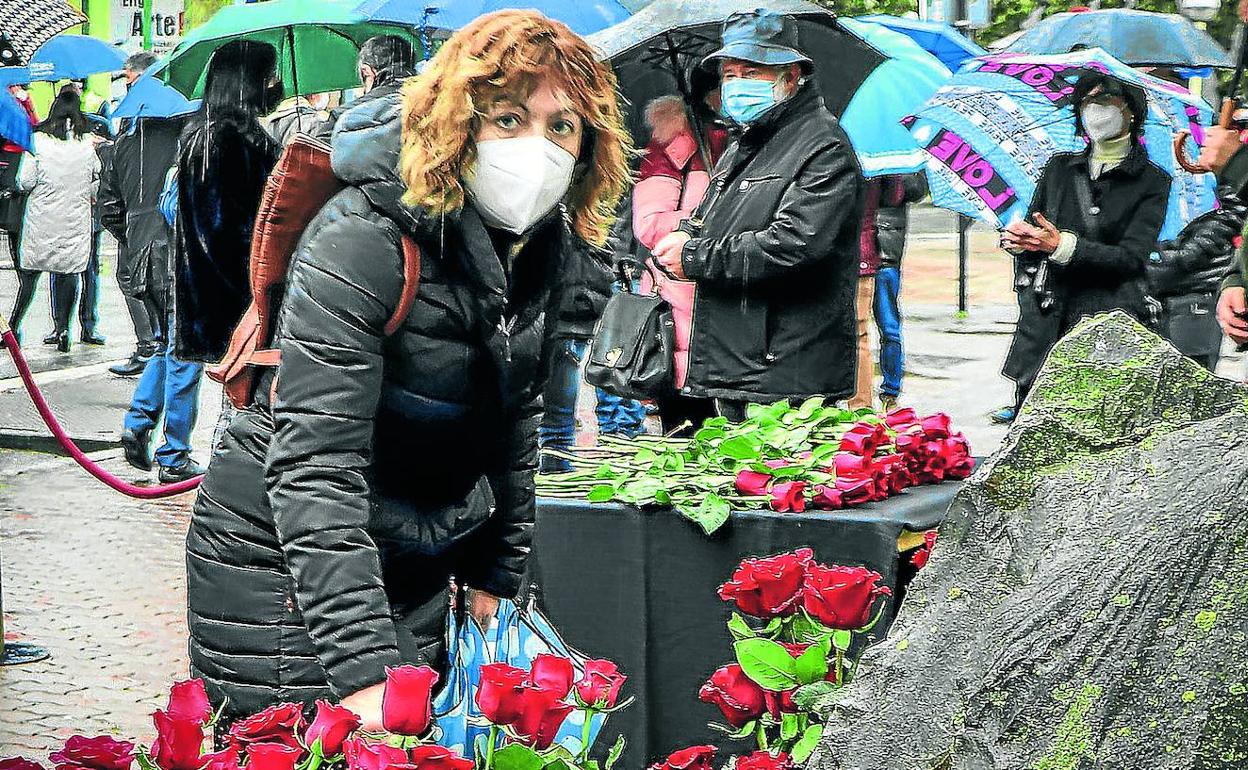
(989, 132)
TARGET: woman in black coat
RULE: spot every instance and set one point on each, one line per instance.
(224, 158)
(1096, 217)
(335, 514)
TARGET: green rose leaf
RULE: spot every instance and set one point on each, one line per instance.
(739, 448)
(711, 514)
(615, 753)
(807, 744)
(709, 434)
(812, 665)
(808, 696)
(517, 757)
(601, 493)
(739, 628)
(788, 727)
(768, 664)
(841, 640)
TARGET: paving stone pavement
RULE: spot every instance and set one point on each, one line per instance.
(97, 579)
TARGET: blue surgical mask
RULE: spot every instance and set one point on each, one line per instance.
(746, 99)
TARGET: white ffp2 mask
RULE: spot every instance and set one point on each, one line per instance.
(1103, 121)
(515, 182)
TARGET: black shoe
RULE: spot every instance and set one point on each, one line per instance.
(52, 339)
(62, 342)
(91, 339)
(188, 469)
(138, 447)
(131, 368)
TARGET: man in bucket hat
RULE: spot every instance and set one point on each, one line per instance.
(773, 248)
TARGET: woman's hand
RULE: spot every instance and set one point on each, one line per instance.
(482, 606)
(366, 704)
(1233, 314)
(668, 252)
(1043, 237)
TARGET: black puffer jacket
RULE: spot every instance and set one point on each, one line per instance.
(1198, 260)
(774, 254)
(129, 197)
(324, 536)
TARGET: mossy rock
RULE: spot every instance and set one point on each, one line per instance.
(1101, 566)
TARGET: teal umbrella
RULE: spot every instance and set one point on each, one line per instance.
(317, 43)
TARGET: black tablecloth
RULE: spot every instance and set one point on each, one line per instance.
(640, 588)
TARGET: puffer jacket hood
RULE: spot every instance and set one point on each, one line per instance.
(366, 143)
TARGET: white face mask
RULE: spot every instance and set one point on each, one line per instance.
(516, 182)
(1103, 121)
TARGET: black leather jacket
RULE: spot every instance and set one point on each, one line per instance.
(1199, 259)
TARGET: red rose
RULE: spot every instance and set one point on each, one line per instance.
(552, 673)
(827, 498)
(864, 438)
(936, 426)
(361, 755)
(692, 758)
(332, 725)
(788, 496)
(856, 490)
(842, 597)
(439, 758)
(188, 701)
(407, 702)
(101, 753)
(228, 759)
(960, 470)
(542, 714)
(276, 724)
(600, 686)
(921, 556)
(272, 756)
(498, 695)
(768, 587)
(19, 763)
(763, 760)
(752, 483)
(739, 699)
(850, 464)
(901, 418)
(179, 744)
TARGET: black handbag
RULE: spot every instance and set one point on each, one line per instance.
(633, 351)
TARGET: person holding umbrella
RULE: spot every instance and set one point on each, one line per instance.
(385, 61)
(378, 462)
(773, 248)
(1096, 217)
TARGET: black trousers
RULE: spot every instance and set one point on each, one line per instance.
(676, 409)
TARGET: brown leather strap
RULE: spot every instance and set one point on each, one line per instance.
(411, 282)
(265, 357)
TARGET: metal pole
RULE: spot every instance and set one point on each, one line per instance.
(964, 227)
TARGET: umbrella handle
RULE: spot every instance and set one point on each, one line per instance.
(1180, 152)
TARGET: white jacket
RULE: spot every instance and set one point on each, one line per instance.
(61, 178)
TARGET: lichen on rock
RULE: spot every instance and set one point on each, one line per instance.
(1087, 603)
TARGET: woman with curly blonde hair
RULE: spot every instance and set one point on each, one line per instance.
(380, 464)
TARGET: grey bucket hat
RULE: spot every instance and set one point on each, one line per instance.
(761, 36)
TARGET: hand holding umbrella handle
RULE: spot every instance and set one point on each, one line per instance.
(1180, 152)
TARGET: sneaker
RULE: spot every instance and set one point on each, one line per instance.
(132, 368)
(549, 465)
(91, 338)
(185, 471)
(1003, 416)
(888, 404)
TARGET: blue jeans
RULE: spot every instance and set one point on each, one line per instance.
(167, 387)
(888, 320)
(558, 428)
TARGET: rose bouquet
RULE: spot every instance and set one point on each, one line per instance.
(783, 457)
(525, 710)
(793, 625)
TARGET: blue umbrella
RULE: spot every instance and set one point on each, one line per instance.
(584, 16)
(1138, 38)
(907, 78)
(989, 132)
(936, 37)
(150, 97)
(67, 57)
(14, 122)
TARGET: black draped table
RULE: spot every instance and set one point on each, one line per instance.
(641, 588)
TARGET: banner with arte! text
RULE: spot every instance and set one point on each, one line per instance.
(168, 20)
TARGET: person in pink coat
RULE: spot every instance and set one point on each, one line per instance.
(674, 177)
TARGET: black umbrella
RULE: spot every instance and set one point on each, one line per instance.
(653, 50)
(25, 25)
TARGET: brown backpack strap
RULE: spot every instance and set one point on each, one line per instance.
(411, 282)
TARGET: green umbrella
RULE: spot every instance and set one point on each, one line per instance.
(317, 42)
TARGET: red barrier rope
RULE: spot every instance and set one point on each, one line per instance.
(89, 465)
